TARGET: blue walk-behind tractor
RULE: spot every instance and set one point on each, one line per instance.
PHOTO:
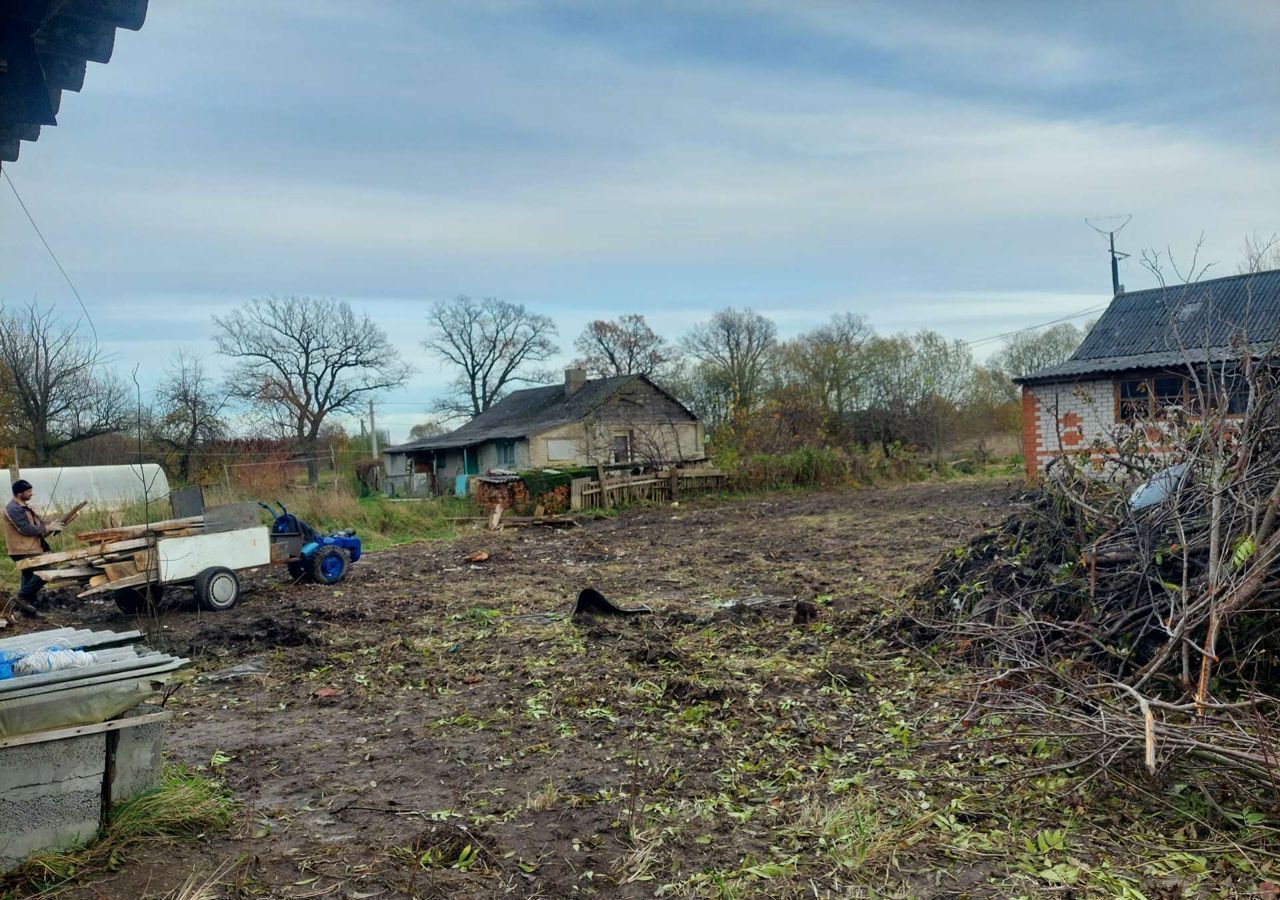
(323, 558)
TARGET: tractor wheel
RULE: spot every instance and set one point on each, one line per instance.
(134, 601)
(217, 589)
(329, 565)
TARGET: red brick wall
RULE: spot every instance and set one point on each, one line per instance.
(1031, 445)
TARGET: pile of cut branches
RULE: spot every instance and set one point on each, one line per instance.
(1131, 626)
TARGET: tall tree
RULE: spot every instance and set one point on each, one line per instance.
(493, 344)
(830, 363)
(738, 344)
(57, 382)
(622, 346)
(188, 409)
(1030, 350)
(300, 359)
(429, 428)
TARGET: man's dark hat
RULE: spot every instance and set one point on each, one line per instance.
(21, 485)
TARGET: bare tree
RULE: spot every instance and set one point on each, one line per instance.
(492, 342)
(1260, 253)
(830, 363)
(429, 428)
(737, 343)
(57, 382)
(1029, 350)
(622, 346)
(302, 358)
(189, 407)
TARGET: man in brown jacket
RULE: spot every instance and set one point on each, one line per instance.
(25, 535)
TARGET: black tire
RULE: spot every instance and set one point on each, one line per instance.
(329, 565)
(133, 600)
(217, 589)
(298, 570)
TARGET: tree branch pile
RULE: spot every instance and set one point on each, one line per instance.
(1129, 629)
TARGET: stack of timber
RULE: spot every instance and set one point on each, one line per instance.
(112, 558)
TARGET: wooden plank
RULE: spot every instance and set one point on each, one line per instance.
(53, 559)
(98, 580)
(132, 531)
(135, 581)
(57, 734)
(68, 572)
(119, 571)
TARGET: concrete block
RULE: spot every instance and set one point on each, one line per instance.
(135, 758)
(50, 795)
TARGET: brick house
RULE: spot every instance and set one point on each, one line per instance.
(619, 422)
(1135, 366)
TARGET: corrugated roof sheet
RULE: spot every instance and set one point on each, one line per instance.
(1176, 325)
(526, 412)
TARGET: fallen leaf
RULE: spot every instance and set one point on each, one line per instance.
(325, 693)
(478, 556)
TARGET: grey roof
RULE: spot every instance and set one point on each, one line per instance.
(526, 412)
(1177, 325)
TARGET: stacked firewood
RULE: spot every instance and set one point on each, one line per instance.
(111, 558)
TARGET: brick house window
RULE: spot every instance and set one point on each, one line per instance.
(1156, 396)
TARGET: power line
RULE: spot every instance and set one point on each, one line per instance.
(1077, 315)
(13, 187)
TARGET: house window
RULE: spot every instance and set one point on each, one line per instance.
(622, 448)
(561, 450)
(1158, 396)
(1135, 399)
(1151, 398)
(506, 453)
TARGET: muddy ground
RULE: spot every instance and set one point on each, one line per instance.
(435, 727)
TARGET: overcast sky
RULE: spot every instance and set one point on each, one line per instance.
(925, 165)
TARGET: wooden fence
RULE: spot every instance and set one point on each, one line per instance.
(651, 487)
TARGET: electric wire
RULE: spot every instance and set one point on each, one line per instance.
(13, 187)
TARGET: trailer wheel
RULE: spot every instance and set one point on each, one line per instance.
(329, 565)
(298, 570)
(217, 588)
(133, 601)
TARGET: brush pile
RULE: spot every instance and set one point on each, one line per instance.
(1137, 622)
(111, 559)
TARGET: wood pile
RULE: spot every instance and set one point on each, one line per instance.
(112, 558)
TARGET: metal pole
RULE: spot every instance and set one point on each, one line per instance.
(373, 430)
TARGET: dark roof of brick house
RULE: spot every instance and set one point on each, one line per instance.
(526, 412)
(1176, 326)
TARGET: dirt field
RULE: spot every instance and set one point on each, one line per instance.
(435, 728)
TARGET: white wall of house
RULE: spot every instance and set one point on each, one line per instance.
(591, 443)
(1075, 417)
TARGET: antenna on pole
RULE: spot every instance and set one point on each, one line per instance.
(1106, 225)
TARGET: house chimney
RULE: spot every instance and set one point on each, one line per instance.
(574, 379)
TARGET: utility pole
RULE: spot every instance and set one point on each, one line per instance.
(1116, 287)
(373, 430)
